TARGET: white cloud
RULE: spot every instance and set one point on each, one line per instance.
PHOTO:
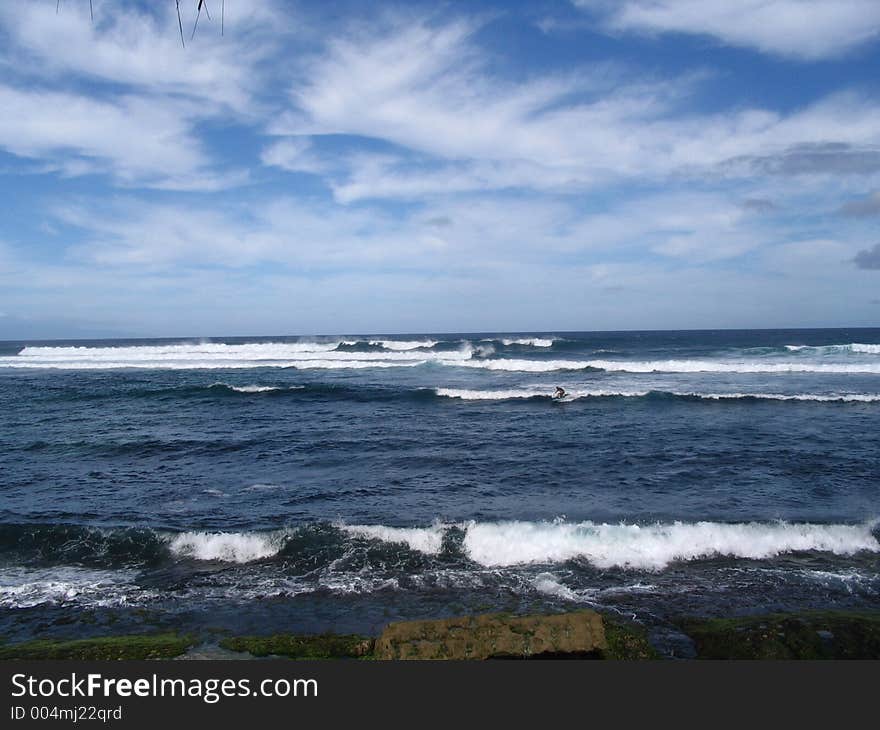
(814, 258)
(429, 91)
(473, 236)
(135, 140)
(801, 29)
(141, 49)
(598, 196)
(294, 154)
(120, 96)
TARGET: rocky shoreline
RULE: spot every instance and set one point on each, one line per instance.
(582, 634)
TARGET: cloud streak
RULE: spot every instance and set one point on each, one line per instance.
(326, 169)
(805, 30)
(454, 127)
(120, 97)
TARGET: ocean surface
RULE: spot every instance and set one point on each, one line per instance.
(253, 485)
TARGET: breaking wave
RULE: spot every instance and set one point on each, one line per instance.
(857, 347)
(388, 353)
(400, 345)
(653, 547)
(672, 366)
(428, 540)
(575, 394)
(185, 356)
(252, 388)
(489, 544)
(231, 547)
(526, 341)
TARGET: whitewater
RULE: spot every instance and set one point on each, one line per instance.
(339, 482)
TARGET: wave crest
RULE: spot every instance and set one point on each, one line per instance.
(230, 547)
(577, 394)
(858, 347)
(653, 547)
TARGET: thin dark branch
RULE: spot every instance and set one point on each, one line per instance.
(196, 24)
(57, 6)
(205, 3)
(222, 13)
(180, 24)
(91, 12)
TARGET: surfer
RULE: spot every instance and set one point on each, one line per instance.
(560, 392)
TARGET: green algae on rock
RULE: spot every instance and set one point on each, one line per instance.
(807, 635)
(627, 641)
(139, 646)
(320, 646)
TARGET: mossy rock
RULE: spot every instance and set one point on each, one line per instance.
(141, 646)
(807, 635)
(579, 635)
(626, 641)
(320, 646)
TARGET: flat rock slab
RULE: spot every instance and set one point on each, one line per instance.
(578, 634)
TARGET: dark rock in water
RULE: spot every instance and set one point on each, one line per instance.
(495, 636)
(807, 635)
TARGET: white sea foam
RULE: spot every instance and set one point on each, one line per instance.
(731, 366)
(503, 544)
(427, 540)
(673, 366)
(827, 398)
(465, 394)
(232, 547)
(549, 584)
(529, 341)
(633, 546)
(653, 547)
(219, 355)
(861, 348)
(22, 587)
(524, 366)
(300, 364)
(404, 344)
(250, 388)
(575, 394)
(521, 393)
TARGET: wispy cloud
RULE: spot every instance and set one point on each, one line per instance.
(427, 90)
(801, 29)
(139, 48)
(127, 137)
(318, 168)
(121, 97)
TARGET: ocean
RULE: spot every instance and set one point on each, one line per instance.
(310, 484)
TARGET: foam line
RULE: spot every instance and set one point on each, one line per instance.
(672, 366)
(576, 394)
(653, 547)
(861, 348)
(218, 355)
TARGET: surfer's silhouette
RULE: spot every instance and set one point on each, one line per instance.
(560, 392)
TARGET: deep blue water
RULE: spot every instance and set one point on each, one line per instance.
(337, 483)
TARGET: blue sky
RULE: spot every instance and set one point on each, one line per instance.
(460, 166)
